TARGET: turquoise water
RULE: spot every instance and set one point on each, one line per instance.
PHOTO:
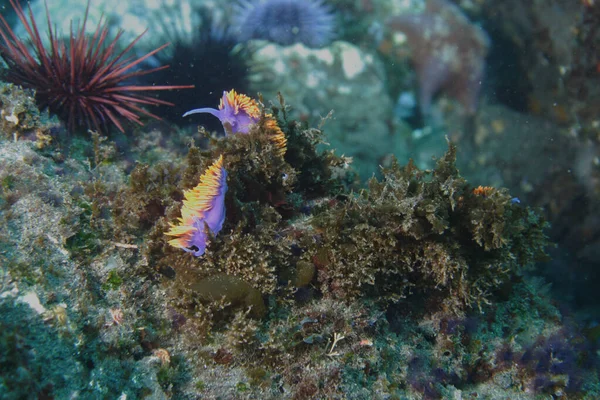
(318, 199)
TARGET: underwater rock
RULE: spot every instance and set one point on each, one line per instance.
(553, 47)
(448, 52)
(305, 272)
(551, 170)
(38, 214)
(341, 77)
(427, 233)
(20, 117)
(435, 239)
(233, 290)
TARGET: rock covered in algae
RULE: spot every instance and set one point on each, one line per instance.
(232, 290)
(20, 117)
(305, 271)
(423, 232)
(426, 235)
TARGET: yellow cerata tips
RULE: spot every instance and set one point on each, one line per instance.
(240, 102)
(203, 209)
(276, 134)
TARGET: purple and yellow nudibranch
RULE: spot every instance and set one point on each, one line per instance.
(203, 210)
(238, 112)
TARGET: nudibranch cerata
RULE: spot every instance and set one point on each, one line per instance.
(203, 210)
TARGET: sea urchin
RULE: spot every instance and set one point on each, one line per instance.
(83, 79)
(286, 21)
(209, 51)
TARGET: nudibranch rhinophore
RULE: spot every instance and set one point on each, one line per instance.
(203, 210)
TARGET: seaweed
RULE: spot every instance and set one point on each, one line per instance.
(422, 233)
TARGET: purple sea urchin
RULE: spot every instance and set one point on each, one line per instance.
(286, 21)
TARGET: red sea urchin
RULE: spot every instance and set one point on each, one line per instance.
(82, 79)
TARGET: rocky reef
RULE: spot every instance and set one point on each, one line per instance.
(423, 280)
(313, 288)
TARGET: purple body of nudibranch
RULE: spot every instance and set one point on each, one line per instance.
(237, 112)
(213, 220)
